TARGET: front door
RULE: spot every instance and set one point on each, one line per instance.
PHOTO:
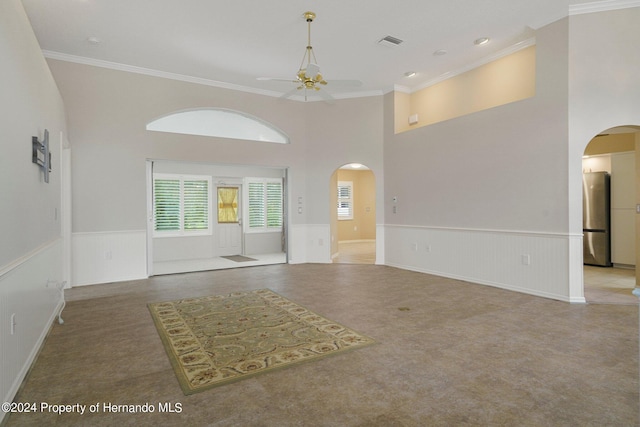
(229, 227)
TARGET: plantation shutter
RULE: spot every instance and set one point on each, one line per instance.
(196, 204)
(181, 205)
(256, 205)
(274, 204)
(345, 200)
(167, 204)
(264, 205)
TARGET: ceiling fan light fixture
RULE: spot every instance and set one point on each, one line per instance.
(308, 76)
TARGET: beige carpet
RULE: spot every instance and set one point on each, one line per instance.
(219, 339)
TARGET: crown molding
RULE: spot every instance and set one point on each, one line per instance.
(155, 73)
(190, 79)
(487, 59)
(602, 6)
(400, 88)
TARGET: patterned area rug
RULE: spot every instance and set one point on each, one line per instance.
(218, 339)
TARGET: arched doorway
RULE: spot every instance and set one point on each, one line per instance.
(353, 215)
(611, 234)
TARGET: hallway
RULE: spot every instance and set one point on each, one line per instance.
(361, 252)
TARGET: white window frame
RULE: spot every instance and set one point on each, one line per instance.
(246, 205)
(182, 232)
(348, 200)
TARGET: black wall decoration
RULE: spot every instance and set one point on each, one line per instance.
(41, 155)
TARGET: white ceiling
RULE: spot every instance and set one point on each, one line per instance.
(236, 42)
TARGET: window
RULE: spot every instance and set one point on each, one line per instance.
(181, 205)
(219, 122)
(228, 205)
(264, 205)
(345, 200)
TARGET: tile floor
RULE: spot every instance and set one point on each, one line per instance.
(448, 353)
(608, 285)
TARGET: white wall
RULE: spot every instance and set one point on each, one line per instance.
(108, 111)
(604, 89)
(31, 252)
(504, 170)
(201, 247)
(484, 197)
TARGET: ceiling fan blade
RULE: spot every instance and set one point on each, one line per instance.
(272, 79)
(344, 83)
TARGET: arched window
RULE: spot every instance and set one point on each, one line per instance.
(219, 122)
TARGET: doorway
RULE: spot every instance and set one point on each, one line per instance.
(236, 216)
(353, 217)
(613, 154)
(229, 220)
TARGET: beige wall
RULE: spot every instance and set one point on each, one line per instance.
(612, 143)
(363, 224)
(505, 80)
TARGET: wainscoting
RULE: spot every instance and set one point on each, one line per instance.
(30, 299)
(531, 263)
(105, 257)
(309, 243)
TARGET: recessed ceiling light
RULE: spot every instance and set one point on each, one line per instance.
(410, 74)
(94, 40)
(356, 165)
(481, 41)
(440, 52)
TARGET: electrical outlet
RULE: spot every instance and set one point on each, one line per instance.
(414, 246)
(428, 248)
(526, 259)
(13, 323)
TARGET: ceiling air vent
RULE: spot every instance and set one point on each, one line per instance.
(390, 41)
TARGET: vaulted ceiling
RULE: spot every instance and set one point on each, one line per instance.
(233, 43)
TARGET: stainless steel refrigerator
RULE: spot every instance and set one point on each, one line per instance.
(596, 222)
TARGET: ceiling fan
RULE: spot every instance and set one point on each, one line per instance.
(308, 77)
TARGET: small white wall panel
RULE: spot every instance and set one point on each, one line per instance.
(310, 243)
(108, 257)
